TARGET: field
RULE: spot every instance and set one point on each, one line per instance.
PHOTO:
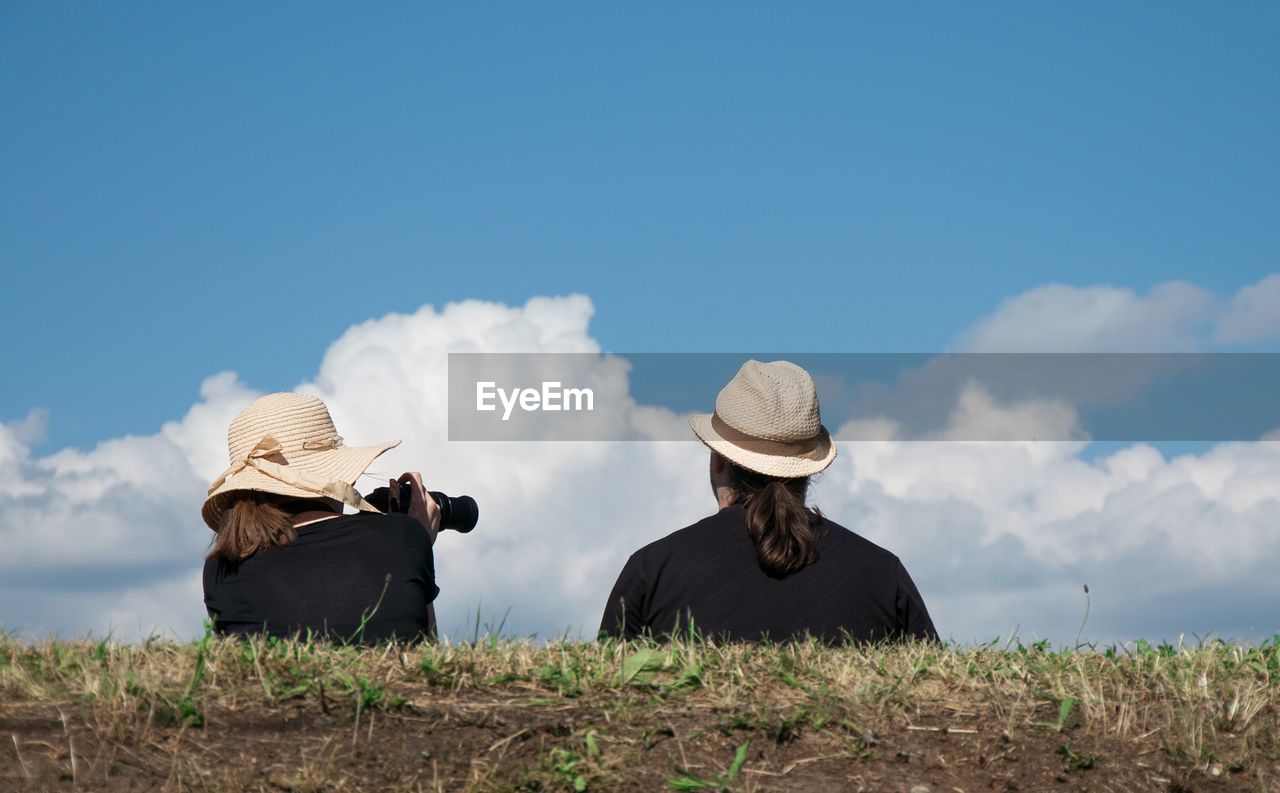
(502, 715)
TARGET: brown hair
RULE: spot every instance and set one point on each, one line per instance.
(783, 530)
(253, 523)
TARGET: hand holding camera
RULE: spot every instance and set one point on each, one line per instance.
(431, 508)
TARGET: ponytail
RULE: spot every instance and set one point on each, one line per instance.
(253, 523)
(783, 530)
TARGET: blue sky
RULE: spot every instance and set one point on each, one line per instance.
(188, 189)
(256, 187)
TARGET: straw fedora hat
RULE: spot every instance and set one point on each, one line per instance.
(286, 444)
(767, 421)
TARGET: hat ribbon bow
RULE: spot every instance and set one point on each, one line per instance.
(260, 459)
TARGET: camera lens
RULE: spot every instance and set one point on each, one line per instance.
(459, 513)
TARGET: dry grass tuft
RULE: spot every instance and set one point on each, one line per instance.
(516, 715)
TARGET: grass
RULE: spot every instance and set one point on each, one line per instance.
(510, 715)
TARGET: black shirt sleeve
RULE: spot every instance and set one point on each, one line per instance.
(624, 611)
(913, 617)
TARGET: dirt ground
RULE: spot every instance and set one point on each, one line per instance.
(509, 739)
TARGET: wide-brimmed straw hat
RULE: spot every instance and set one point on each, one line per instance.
(767, 421)
(286, 444)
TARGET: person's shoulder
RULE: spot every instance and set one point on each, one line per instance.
(394, 524)
(840, 536)
(210, 570)
(691, 535)
(380, 519)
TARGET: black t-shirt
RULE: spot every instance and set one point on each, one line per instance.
(338, 572)
(856, 590)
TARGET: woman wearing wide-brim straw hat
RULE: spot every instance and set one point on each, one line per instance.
(766, 565)
(285, 560)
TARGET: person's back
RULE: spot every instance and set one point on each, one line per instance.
(285, 560)
(363, 577)
(766, 565)
(706, 577)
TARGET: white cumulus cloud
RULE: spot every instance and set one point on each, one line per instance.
(103, 539)
(1171, 317)
(996, 534)
(1254, 313)
(1061, 318)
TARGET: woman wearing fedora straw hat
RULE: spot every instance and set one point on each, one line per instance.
(766, 566)
(286, 560)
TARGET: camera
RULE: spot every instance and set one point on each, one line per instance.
(460, 513)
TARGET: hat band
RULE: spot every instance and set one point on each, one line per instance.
(805, 448)
(257, 458)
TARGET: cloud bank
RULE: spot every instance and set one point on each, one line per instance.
(997, 535)
(1171, 317)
